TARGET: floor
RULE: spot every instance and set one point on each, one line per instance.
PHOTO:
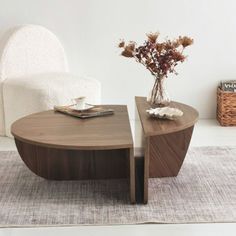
(206, 133)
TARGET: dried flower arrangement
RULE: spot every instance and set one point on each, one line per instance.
(160, 58)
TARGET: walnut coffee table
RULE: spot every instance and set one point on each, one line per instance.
(60, 147)
(165, 141)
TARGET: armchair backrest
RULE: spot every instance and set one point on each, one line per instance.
(32, 49)
(29, 49)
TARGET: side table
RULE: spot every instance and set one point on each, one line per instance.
(165, 141)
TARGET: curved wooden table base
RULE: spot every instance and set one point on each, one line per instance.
(167, 153)
(62, 164)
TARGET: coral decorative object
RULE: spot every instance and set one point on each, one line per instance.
(165, 113)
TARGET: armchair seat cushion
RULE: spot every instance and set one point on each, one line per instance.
(35, 93)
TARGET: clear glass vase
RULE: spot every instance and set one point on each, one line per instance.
(158, 96)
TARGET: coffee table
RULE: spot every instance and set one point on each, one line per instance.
(165, 141)
(60, 147)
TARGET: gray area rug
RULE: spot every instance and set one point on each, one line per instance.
(204, 191)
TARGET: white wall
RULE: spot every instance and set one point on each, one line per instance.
(90, 30)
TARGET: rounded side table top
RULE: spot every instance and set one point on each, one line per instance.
(153, 126)
(56, 130)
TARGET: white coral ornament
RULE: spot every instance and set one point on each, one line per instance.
(169, 113)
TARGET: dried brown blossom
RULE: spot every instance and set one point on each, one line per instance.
(160, 58)
(128, 50)
(130, 46)
(121, 44)
(160, 47)
(185, 41)
(126, 53)
(152, 37)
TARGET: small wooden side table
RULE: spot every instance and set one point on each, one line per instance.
(165, 141)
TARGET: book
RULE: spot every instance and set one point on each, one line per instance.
(228, 85)
(94, 112)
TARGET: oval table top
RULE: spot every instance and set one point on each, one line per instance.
(153, 126)
(57, 130)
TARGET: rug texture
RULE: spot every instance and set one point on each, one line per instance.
(204, 191)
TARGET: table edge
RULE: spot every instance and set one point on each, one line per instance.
(73, 147)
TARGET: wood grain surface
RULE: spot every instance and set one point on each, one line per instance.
(167, 153)
(63, 164)
(57, 130)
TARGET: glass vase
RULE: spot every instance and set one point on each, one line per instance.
(158, 96)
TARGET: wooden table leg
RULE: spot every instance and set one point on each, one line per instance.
(132, 175)
(146, 170)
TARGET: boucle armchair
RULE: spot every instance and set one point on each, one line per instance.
(34, 76)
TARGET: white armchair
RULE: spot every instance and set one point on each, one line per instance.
(34, 76)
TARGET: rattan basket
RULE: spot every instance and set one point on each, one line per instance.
(226, 108)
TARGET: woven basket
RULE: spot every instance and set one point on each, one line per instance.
(226, 108)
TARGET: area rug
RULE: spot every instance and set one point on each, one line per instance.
(204, 191)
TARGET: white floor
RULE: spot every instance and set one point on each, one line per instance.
(206, 133)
